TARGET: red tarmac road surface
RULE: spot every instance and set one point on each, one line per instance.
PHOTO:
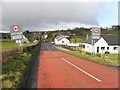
(58, 69)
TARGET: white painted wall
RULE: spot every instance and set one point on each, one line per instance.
(24, 39)
(63, 41)
(73, 44)
(101, 43)
(88, 47)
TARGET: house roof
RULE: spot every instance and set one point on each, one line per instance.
(110, 39)
(60, 37)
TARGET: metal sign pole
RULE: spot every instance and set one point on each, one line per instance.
(92, 46)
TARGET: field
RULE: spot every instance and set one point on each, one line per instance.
(8, 44)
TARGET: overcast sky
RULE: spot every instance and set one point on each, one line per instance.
(36, 16)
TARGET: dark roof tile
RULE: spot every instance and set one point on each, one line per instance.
(110, 39)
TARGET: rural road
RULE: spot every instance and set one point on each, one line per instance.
(58, 69)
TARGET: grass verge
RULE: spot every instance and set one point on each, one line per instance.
(108, 59)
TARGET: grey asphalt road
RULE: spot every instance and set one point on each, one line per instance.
(47, 47)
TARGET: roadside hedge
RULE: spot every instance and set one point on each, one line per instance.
(15, 71)
(9, 54)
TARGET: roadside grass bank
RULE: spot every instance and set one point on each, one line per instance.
(8, 45)
(15, 72)
(105, 59)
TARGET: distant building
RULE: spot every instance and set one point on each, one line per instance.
(106, 44)
(61, 40)
(115, 27)
(24, 40)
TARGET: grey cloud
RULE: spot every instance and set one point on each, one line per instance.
(49, 14)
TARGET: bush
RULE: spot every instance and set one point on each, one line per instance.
(9, 54)
(17, 69)
(88, 53)
(99, 55)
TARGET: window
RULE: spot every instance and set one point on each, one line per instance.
(102, 48)
(115, 48)
(107, 48)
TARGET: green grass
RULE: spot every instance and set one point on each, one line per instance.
(16, 71)
(78, 39)
(113, 56)
(112, 59)
(8, 44)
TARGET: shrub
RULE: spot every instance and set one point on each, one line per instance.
(99, 55)
(16, 70)
(88, 53)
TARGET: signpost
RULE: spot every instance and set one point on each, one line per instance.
(95, 35)
(15, 28)
(16, 34)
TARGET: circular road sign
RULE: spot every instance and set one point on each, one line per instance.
(96, 30)
(16, 28)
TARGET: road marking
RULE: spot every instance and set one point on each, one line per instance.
(82, 70)
(54, 53)
(50, 50)
(47, 47)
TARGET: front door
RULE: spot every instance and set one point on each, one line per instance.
(97, 49)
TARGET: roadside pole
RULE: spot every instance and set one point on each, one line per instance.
(93, 47)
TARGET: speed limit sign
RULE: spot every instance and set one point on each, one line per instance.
(16, 32)
(16, 28)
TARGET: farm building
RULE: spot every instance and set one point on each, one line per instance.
(106, 44)
(61, 40)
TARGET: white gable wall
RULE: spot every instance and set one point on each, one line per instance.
(100, 43)
(112, 49)
(88, 47)
(63, 41)
(56, 41)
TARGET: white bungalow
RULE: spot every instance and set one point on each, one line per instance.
(61, 40)
(106, 44)
(24, 40)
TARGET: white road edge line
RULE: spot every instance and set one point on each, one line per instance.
(82, 70)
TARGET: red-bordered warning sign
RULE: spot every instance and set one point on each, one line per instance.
(16, 28)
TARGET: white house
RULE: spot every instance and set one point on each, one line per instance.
(24, 40)
(61, 40)
(106, 44)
